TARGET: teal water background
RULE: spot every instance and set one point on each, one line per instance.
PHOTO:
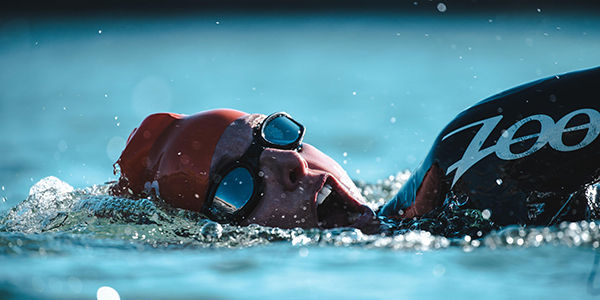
(373, 89)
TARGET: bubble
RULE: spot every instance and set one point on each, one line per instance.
(107, 293)
(114, 148)
(392, 120)
(529, 42)
(62, 146)
(439, 271)
(212, 230)
(37, 284)
(74, 284)
(499, 181)
(441, 7)
(150, 95)
(303, 251)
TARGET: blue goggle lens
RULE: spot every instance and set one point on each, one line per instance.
(281, 131)
(235, 190)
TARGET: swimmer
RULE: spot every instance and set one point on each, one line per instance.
(240, 168)
(529, 155)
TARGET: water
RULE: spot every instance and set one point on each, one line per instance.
(373, 90)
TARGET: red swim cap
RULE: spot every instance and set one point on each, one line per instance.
(172, 153)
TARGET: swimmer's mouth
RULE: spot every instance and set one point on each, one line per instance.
(336, 208)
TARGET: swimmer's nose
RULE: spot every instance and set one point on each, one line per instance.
(288, 167)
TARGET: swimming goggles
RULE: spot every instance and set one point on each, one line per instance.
(235, 189)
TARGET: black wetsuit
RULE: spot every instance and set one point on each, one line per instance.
(529, 155)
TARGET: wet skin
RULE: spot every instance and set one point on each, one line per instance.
(291, 183)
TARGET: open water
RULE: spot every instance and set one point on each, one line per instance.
(373, 90)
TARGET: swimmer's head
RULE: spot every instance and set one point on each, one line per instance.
(280, 181)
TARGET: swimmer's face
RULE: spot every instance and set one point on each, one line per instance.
(291, 184)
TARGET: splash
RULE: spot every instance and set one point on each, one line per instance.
(55, 214)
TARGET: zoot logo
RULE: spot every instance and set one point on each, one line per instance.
(550, 133)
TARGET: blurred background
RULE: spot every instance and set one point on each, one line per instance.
(374, 81)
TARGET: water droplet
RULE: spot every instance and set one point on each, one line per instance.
(99, 31)
(345, 154)
(499, 181)
(486, 213)
(107, 293)
(393, 120)
(441, 7)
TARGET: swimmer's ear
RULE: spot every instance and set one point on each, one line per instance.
(133, 160)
